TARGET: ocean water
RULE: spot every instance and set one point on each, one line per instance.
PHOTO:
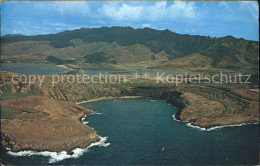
(32, 68)
(142, 131)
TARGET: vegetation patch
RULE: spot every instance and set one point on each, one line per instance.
(24, 113)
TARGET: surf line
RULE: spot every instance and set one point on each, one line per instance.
(59, 156)
(190, 124)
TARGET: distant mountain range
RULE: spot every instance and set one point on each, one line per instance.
(163, 49)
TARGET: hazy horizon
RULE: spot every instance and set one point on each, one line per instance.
(215, 19)
(123, 27)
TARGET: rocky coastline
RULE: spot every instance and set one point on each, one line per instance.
(40, 120)
(60, 130)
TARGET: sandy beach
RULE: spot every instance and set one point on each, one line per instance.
(63, 66)
(105, 98)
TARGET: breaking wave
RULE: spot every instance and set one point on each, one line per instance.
(85, 122)
(58, 156)
(84, 117)
(190, 124)
(217, 127)
(174, 118)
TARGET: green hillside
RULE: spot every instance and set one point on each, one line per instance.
(125, 45)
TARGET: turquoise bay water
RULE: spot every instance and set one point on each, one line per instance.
(142, 131)
(32, 68)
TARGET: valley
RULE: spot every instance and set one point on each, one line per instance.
(129, 48)
(37, 116)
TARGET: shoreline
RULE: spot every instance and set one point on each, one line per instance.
(62, 66)
(56, 156)
(106, 98)
(190, 124)
(76, 152)
(70, 120)
(59, 156)
(219, 127)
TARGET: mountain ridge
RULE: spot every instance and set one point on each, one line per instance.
(115, 45)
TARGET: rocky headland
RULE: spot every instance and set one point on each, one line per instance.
(41, 124)
(47, 117)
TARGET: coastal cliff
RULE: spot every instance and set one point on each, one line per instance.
(47, 118)
(40, 124)
(205, 111)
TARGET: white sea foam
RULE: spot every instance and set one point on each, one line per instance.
(85, 116)
(174, 118)
(189, 124)
(197, 127)
(58, 156)
(217, 127)
(85, 122)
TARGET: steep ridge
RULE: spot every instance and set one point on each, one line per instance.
(121, 45)
(208, 105)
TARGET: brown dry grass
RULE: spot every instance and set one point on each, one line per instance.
(60, 131)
